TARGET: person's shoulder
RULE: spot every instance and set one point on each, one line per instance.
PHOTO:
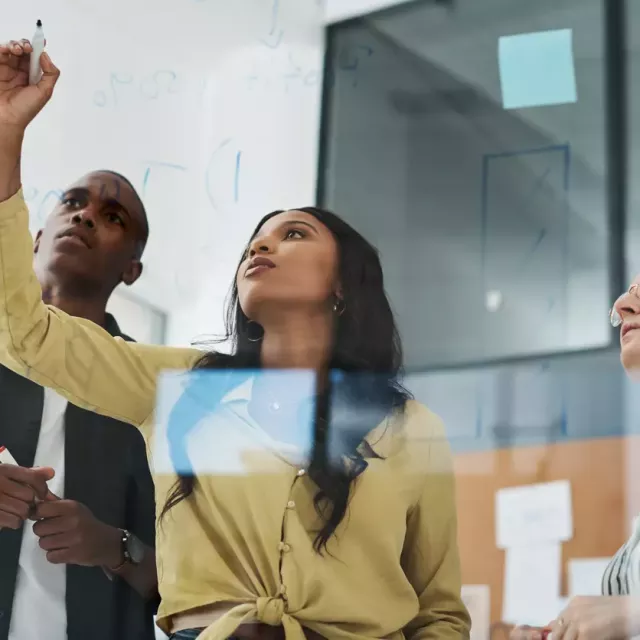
(422, 423)
(426, 440)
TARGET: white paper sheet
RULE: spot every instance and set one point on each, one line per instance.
(532, 584)
(585, 576)
(534, 514)
(477, 598)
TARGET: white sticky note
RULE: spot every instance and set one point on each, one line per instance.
(585, 576)
(537, 69)
(534, 513)
(477, 599)
(532, 584)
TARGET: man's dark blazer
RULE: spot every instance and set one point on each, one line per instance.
(106, 469)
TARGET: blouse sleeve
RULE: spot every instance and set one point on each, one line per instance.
(74, 356)
(430, 556)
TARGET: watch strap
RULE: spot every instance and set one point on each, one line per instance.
(125, 552)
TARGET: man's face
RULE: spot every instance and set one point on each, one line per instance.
(93, 234)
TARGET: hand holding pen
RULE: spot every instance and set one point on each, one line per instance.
(71, 534)
(20, 488)
(20, 100)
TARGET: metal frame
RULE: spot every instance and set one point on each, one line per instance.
(616, 122)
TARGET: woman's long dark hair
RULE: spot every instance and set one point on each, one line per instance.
(363, 388)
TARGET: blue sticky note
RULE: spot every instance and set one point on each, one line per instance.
(537, 69)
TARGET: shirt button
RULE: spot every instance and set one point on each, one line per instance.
(301, 472)
(283, 590)
(291, 504)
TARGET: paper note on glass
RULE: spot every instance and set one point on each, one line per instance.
(537, 69)
(532, 584)
(533, 513)
(585, 576)
(477, 599)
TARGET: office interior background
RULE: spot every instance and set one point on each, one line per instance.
(496, 174)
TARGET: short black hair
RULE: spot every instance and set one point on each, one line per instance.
(142, 243)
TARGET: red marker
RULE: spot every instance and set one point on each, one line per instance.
(6, 457)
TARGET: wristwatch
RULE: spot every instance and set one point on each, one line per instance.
(132, 551)
(132, 548)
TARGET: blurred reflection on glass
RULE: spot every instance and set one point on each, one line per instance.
(207, 424)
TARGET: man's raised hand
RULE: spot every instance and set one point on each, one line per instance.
(20, 102)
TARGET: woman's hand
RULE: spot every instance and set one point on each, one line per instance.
(598, 618)
(20, 102)
(526, 633)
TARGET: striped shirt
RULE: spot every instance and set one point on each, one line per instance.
(622, 576)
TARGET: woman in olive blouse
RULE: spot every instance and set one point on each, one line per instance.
(352, 540)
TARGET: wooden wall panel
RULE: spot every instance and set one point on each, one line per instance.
(599, 474)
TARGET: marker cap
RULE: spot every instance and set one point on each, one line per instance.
(6, 457)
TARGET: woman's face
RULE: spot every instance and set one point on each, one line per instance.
(292, 261)
(626, 311)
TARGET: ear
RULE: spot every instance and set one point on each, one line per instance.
(133, 272)
(36, 242)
